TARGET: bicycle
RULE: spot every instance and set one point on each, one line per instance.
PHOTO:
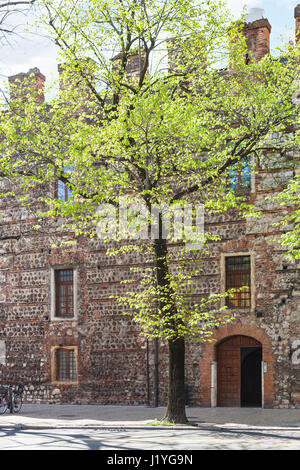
(11, 399)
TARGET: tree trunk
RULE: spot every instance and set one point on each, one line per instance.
(176, 402)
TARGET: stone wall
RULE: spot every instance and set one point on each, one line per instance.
(116, 365)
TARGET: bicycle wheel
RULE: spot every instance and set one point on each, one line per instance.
(16, 402)
(3, 404)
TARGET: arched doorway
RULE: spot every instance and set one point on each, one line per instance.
(239, 372)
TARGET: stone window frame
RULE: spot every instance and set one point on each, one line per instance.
(252, 279)
(54, 379)
(53, 269)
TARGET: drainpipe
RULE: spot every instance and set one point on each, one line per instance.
(156, 372)
(213, 388)
(263, 371)
(147, 372)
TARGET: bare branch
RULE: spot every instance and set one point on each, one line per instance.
(10, 4)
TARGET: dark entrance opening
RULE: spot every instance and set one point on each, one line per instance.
(251, 376)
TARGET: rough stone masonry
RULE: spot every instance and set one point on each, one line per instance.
(99, 353)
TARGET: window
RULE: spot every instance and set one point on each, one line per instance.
(238, 274)
(64, 192)
(240, 175)
(65, 364)
(64, 293)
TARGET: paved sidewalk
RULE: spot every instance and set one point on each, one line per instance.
(99, 416)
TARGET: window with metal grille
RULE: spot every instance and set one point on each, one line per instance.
(238, 274)
(240, 175)
(65, 364)
(64, 292)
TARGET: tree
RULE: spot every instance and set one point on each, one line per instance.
(160, 138)
(11, 8)
(290, 197)
(8, 9)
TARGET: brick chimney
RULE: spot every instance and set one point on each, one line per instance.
(257, 32)
(297, 18)
(185, 54)
(26, 85)
(174, 53)
(135, 62)
(74, 80)
(68, 79)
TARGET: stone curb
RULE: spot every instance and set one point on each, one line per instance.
(89, 426)
(107, 427)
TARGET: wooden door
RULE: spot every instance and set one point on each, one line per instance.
(229, 369)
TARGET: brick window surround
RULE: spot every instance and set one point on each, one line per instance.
(64, 288)
(64, 364)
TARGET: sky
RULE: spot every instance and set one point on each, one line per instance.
(27, 51)
(280, 14)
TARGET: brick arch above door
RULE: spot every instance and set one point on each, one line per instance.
(209, 356)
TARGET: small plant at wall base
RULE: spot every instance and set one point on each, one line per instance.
(120, 128)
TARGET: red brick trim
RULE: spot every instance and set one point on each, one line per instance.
(209, 356)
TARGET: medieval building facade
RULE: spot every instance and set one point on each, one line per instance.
(63, 335)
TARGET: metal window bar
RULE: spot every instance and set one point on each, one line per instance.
(66, 364)
(64, 293)
(238, 274)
